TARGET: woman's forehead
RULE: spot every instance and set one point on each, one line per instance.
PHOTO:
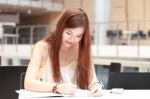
(77, 30)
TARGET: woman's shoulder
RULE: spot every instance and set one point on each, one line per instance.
(42, 44)
(42, 48)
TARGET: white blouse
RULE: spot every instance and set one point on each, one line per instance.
(67, 72)
(45, 71)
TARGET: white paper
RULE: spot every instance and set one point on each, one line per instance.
(81, 92)
(33, 94)
(117, 90)
(26, 93)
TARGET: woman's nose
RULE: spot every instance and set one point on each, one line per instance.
(71, 39)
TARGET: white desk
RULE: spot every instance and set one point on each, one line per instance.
(127, 94)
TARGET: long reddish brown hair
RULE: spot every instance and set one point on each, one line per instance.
(72, 18)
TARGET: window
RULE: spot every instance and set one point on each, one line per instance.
(9, 61)
(24, 62)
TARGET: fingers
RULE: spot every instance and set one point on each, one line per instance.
(93, 90)
(96, 92)
(70, 92)
(72, 85)
(67, 88)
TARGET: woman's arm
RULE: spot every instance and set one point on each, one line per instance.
(31, 83)
(32, 71)
(95, 85)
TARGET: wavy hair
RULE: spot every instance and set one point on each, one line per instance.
(72, 18)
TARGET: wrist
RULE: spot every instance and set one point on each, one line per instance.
(99, 82)
(55, 88)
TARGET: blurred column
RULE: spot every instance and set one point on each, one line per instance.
(102, 14)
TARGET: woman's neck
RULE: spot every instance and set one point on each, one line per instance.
(67, 55)
(66, 49)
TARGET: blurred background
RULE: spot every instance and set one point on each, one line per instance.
(120, 31)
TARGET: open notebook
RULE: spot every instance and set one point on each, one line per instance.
(26, 93)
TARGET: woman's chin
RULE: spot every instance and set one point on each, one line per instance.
(68, 45)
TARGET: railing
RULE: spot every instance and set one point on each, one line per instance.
(56, 5)
(114, 39)
(118, 45)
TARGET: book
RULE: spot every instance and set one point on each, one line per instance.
(32, 94)
(36, 94)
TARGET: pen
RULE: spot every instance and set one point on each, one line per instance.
(95, 91)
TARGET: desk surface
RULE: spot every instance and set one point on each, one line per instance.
(127, 94)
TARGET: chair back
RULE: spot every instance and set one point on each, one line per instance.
(115, 67)
(10, 80)
(129, 80)
(22, 77)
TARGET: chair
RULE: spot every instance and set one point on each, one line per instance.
(109, 33)
(9, 81)
(142, 34)
(22, 77)
(129, 80)
(115, 67)
(148, 33)
(110, 36)
(118, 33)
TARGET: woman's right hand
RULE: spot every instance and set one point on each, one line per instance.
(67, 88)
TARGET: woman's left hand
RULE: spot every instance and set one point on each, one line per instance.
(96, 90)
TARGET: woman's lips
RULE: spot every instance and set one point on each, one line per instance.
(70, 43)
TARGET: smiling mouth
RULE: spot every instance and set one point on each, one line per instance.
(69, 42)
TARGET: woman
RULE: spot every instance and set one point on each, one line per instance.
(62, 62)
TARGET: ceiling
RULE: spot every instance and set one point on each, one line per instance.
(23, 10)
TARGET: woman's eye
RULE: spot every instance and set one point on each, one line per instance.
(68, 33)
(80, 36)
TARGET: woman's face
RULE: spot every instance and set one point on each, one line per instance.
(72, 36)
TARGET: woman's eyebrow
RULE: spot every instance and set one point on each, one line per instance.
(69, 30)
(81, 34)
